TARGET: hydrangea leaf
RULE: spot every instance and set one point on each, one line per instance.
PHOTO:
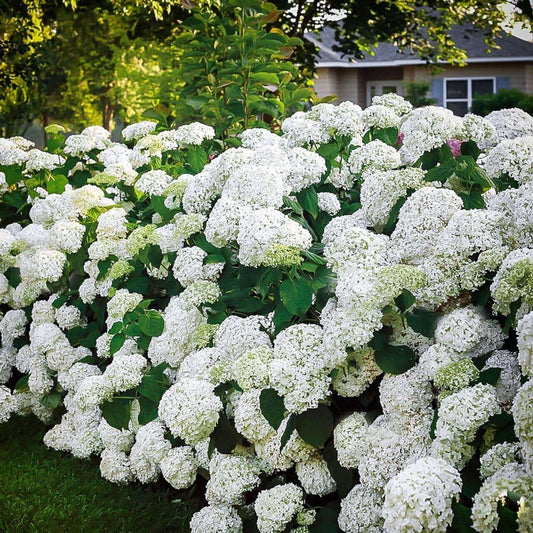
(315, 425)
(225, 437)
(296, 295)
(326, 521)
(151, 323)
(117, 412)
(272, 407)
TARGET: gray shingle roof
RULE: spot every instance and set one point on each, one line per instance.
(465, 38)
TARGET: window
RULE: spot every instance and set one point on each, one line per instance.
(459, 92)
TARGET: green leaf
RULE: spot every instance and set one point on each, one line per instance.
(22, 383)
(462, 521)
(296, 295)
(57, 184)
(441, 173)
(116, 343)
(329, 151)
(391, 358)
(115, 328)
(197, 158)
(396, 359)
(272, 407)
(148, 411)
(344, 477)
(13, 173)
(153, 387)
(151, 323)
(315, 425)
(470, 148)
(308, 199)
(326, 521)
(117, 412)
(423, 322)
(225, 437)
(289, 429)
(293, 204)
(13, 276)
(139, 284)
(393, 215)
(404, 301)
(490, 376)
(387, 135)
(52, 400)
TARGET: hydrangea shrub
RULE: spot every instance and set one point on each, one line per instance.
(328, 328)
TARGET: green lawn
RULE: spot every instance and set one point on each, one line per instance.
(44, 490)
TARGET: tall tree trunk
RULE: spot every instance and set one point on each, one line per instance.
(108, 111)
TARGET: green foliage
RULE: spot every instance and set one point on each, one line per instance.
(272, 407)
(422, 28)
(417, 92)
(237, 67)
(483, 104)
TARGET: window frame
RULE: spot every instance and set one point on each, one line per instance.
(469, 96)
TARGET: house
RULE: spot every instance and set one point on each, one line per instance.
(509, 67)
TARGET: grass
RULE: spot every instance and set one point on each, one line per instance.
(44, 490)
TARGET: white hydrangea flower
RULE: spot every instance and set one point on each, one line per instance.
(511, 123)
(179, 467)
(138, 130)
(349, 435)
(510, 478)
(394, 101)
(525, 344)
(356, 374)
(497, 457)
(380, 116)
(248, 418)
(421, 221)
(480, 130)
(115, 466)
(269, 237)
(420, 497)
(112, 224)
(467, 330)
(305, 169)
(299, 130)
(216, 519)
(314, 476)
(513, 157)
(38, 160)
(381, 189)
(361, 511)
(329, 203)
(153, 182)
(513, 281)
(231, 476)
(148, 452)
(427, 128)
(460, 415)
(375, 155)
(276, 507)
(190, 409)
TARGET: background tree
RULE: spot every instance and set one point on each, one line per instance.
(423, 27)
(417, 92)
(237, 66)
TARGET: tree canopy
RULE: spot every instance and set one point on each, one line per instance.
(81, 61)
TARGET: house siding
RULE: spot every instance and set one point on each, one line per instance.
(350, 83)
(515, 72)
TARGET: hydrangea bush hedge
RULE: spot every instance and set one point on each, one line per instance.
(325, 328)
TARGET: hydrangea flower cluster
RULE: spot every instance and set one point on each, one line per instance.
(328, 323)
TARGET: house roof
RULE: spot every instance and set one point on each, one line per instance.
(386, 54)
